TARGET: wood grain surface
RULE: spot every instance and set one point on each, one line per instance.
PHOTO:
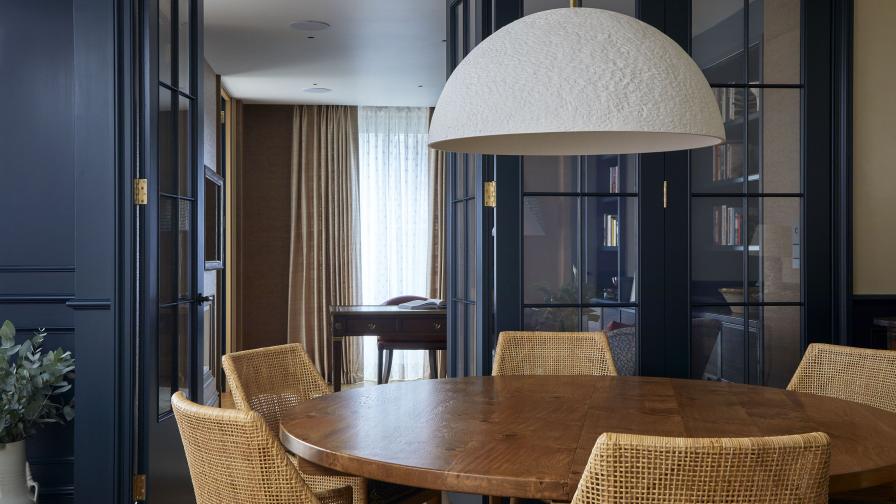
(531, 436)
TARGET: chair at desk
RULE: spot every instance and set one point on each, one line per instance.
(388, 346)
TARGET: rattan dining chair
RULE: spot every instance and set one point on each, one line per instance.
(553, 353)
(234, 458)
(626, 468)
(270, 381)
(861, 375)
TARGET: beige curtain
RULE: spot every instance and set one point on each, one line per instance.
(324, 249)
(438, 288)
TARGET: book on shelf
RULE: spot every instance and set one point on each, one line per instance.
(727, 223)
(611, 230)
(727, 161)
(614, 179)
(424, 304)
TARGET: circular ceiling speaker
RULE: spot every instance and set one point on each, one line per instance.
(309, 25)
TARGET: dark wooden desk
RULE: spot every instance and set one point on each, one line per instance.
(889, 323)
(415, 329)
(531, 436)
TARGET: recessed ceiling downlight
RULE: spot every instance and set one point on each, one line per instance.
(309, 25)
(317, 90)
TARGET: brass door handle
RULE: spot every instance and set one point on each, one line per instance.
(437, 325)
(371, 326)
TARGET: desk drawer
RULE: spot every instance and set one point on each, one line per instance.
(368, 325)
(428, 325)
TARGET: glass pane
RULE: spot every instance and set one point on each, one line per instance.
(621, 328)
(184, 45)
(720, 169)
(184, 327)
(550, 174)
(165, 41)
(167, 249)
(624, 6)
(717, 43)
(717, 245)
(167, 332)
(611, 174)
(775, 34)
(775, 248)
(551, 319)
(471, 174)
(721, 349)
(471, 246)
(610, 260)
(706, 344)
(471, 328)
(550, 249)
(775, 148)
(167, 168)
(460, 181)
(458, 32)
(185, 167)
(460, 250)
(212, 220)
(781, 329)
(184, 247)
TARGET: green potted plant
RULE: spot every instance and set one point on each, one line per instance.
(32, 388)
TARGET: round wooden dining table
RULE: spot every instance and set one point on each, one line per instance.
(531, 436)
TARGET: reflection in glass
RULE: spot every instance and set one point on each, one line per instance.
(781, 352)
(184, 152)
(167, 249)
(165, 43)
(550, 249)
(550, 173)
(610, 174)
(721, 348)
(459, 27)
(621, 327)
(167, 166)
(551, 319)
(184, 325)
(183, 45)
(471, 277)
(628, 7)
(775, 41)
(167, 332)
(775, 147)
(720, 169)
(718, 241)
(717, 43)
(775, 262)
(610, 253)
(184, 248)
(460, 246)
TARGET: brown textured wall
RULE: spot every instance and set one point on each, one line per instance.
(264, 209)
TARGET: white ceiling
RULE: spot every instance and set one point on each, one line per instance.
(375, 53)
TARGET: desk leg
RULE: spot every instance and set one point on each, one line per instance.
(337, 364)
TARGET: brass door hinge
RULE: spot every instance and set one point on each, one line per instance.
(141, 191)
(139, 487)
(665, 194)
(490, 194)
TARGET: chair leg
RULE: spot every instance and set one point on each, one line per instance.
(433, 371)
(379, 366)
(388, 370)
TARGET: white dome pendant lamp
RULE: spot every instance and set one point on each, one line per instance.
(576, 81)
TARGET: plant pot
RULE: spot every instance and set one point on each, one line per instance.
(14, 484)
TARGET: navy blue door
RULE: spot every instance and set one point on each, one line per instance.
(172, 272)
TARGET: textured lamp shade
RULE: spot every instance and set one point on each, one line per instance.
(576, 81)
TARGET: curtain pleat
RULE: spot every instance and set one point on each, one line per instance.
(438, 287)
(324, 248)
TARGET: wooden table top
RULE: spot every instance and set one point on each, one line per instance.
(381, 310)
(531, 436)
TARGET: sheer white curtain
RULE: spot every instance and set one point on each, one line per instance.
(395, 218)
